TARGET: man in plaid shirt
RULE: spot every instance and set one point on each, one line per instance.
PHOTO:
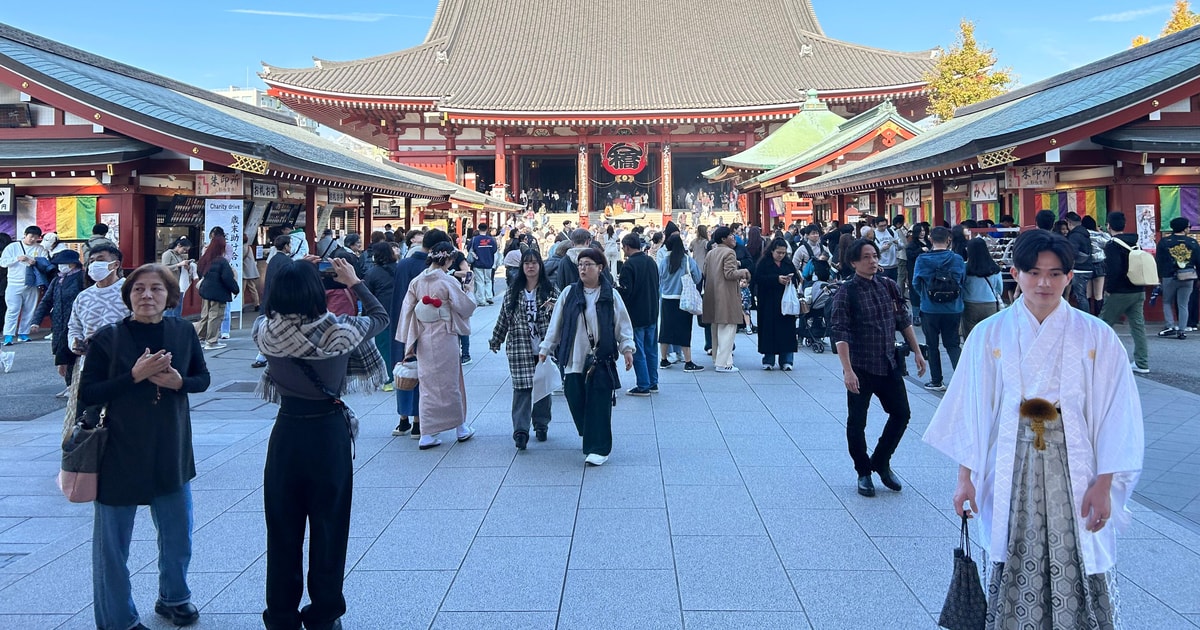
(866, 313)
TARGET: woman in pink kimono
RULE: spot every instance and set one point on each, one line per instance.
(437, 309)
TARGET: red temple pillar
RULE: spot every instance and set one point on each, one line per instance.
(1028, 213)
(501, 180)
(451, 165)
(407, 214)
(880, 201)
(939, 202)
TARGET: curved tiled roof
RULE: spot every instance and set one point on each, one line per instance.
(1060, 102)
(560, 57)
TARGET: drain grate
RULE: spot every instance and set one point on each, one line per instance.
(239, 387)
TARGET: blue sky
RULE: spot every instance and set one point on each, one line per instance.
(218, 43)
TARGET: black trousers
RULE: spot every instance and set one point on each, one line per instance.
(894, 400)
(309, 478)
(591, 406)
(941, 328)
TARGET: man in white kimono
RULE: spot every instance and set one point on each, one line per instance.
(1044, 420)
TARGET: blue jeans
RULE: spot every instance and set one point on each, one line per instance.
(465, 342)
(785, 358)
(112, 531)
(225, 322)
(175, 311)
(645, 356)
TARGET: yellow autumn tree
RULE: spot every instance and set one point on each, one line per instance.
(965, 74)
(1182, 18)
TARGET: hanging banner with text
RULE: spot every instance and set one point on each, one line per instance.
(227, 215)
(1029, 177)
(219, 185)
(624, 158)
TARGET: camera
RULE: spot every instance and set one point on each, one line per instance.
(902, 350)
(325, 267)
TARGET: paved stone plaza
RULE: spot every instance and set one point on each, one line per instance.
(728, 502)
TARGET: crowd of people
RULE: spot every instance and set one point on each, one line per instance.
(576, 307)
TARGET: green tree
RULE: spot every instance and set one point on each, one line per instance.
(965, 74)
(1182, 18)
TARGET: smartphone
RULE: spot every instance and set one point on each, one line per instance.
(326, 268)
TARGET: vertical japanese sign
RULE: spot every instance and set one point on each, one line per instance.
(113, 221)
(1146, 222)
(585, 186)
(227, 215)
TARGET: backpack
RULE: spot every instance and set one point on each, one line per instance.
(1143, 271)
(943, 289)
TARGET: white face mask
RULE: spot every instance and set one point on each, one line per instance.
(64, 269)
(99, 270)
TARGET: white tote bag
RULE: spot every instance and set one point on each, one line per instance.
(689, 298)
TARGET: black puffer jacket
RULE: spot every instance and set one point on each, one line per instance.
(219, 284)
(60, 295)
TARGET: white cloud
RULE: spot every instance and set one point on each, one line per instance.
(342, 17)
(1131, 15)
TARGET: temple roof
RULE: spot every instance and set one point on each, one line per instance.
(198, 116)
(814, 123)
(519, 56)
(846, 134)
(1065, 101)
(73, 152)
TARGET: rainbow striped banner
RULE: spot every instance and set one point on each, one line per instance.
(956, 212)
(71, 217)
(1179, 201)
(1091, 202)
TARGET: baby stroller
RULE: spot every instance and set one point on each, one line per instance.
(814, 325)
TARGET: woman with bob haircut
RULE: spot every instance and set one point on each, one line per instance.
(313, 358)
(523, 322)
(982, 286)
(589, 328)
(436, 315)
(143, 368)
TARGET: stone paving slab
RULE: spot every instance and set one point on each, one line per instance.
(729, 503)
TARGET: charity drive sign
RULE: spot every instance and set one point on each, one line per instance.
(227, 215)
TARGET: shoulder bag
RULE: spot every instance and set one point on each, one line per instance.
(689, 297)
(966, 606)
(347, 412)
(83, 448)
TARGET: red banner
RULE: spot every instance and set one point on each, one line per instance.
(624, 158)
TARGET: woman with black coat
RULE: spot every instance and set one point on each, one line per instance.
(218, 285)
(381, 280)
(142, 370)
(776, 332)
(60, 295)
(918, 243)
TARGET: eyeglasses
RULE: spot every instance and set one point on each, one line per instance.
(587, 265)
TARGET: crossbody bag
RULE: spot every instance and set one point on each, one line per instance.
(347, 412)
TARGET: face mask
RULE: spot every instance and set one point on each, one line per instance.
(99, 270)
(64, 269)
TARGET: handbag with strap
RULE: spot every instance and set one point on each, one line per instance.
(966, 606)
(689, 297)
(83, 448)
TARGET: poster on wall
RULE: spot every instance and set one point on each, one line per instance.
(1145, 227)
(227, 215)
(113, 221)
(912, 197)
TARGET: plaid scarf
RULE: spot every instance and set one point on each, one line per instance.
(326, 337)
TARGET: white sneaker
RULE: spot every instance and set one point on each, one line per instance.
(6, 360)
(727, 370)
(224, 335)
(465, 432)
(64, 393)
(595, 460)
(672, 357)
(766, 367)
(1137, 370)
(214, 346)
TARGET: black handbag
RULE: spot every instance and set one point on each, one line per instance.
(966, 605)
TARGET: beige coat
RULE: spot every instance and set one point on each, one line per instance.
(722, 297)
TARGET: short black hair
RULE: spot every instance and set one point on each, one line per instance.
(1007, 218)
(1029, 245)
(296, 289)
(1116, 220)
(433, 237)
(37, 231)
(631, 241)
(854, 251)
(105, 248)
(1072, 217)
(352, 239)
(483, 227)
(1045, 219)
(720, 234)
(100, 229)
(939, 234)
(382, 254)
(1089, 223)
(1180, 224)
(282, 242)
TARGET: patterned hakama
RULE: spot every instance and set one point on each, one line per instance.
(1043, 585)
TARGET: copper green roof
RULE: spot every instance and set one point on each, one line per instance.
(813, 124)
(846, 134)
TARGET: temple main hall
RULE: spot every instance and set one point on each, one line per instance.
(580, 103)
